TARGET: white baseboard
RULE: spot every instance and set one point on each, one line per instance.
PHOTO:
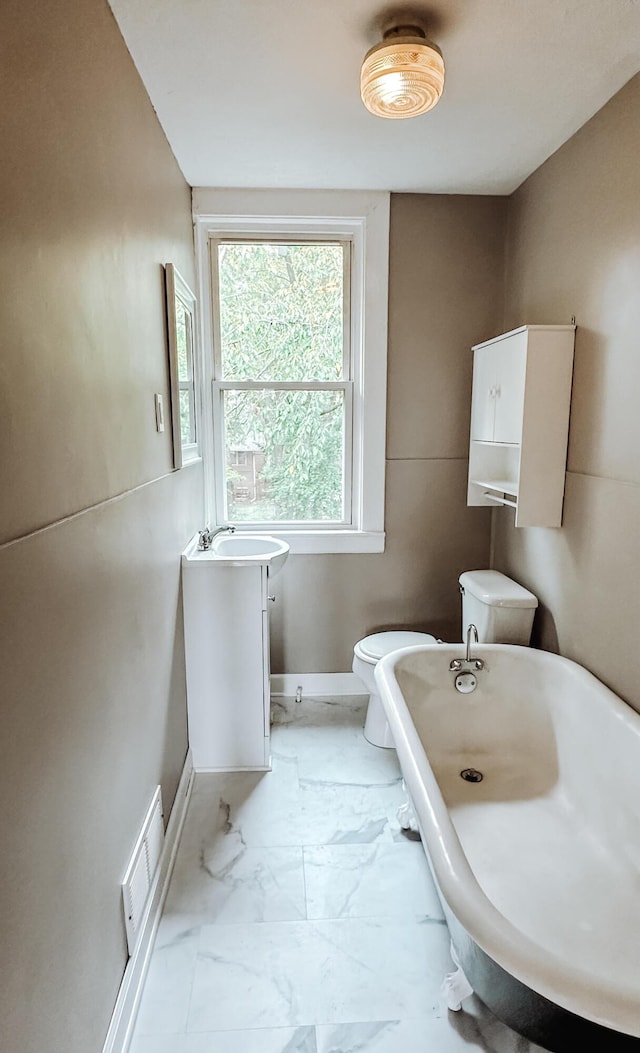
(124, 1014)
(317, 684)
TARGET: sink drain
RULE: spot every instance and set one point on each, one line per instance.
(471, 775)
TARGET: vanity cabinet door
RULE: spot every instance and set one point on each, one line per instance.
(225, 621)
(267, 603)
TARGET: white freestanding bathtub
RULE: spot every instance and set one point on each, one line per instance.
(537, 864)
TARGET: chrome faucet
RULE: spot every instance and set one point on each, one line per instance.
(206, 536)
(467, 663)
(470, 629)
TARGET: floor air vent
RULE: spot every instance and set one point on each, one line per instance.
(141, 870)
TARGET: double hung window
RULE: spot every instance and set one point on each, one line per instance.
(283, 387)
(295, 314)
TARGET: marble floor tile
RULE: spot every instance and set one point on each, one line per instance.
(330, 758)
(374, 969)
(261, 793)
(281, 809)
(331, 749)
(323, 712)
(318, 721)
(227, 881)
(297, 973)
(335, 813)
(375, 880)
(260, 1040)
(164, 1005)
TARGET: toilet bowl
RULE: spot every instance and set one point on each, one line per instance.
(501, 610)
(366, 655)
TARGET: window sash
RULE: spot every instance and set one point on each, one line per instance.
(346, 385)
(346, 243)
(220, 496)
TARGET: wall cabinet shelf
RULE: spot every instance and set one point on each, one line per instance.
(502, 486)
(520, 422)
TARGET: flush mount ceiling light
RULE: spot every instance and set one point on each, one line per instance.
(402, 76)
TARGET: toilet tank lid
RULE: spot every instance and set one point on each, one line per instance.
(496, 589)
(379, 644)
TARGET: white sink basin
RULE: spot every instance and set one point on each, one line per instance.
(259, 548)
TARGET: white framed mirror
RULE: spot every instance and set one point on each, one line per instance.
(181, 331)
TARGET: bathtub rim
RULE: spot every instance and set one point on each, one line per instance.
(612, 1004)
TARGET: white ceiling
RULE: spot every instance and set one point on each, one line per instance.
(265, 93)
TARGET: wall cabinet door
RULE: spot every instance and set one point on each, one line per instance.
(498, 390)
(484, 394)
(510, 372)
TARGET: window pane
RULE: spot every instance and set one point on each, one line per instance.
(187, 418)
(183, 342)
(292, 442)
(281, 311)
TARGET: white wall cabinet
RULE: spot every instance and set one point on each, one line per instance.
(520, 422)
(226, 631)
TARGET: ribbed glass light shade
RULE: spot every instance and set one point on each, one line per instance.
(403, 76)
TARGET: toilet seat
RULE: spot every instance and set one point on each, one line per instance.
(376, 646)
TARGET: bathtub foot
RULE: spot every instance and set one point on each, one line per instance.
(406, 815)
(455, 986)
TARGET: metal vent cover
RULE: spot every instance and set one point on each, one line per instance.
(141, 870)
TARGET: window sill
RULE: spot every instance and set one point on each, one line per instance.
(195, 458)
(319, 542)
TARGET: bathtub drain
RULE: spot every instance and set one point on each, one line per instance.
(471, 775)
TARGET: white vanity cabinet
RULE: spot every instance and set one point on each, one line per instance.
(226, 631)
(520, 422)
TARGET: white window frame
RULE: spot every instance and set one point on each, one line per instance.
(363, 219)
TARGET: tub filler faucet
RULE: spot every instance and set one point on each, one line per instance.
(472, 629)
(206, 536)
(467, 664)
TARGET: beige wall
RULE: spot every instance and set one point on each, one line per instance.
(92, 667)
(92, 693)
(574, 249)
(446, 260)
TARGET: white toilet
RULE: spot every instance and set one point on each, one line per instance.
(501, 610)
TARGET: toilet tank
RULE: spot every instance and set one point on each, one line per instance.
(501, 609)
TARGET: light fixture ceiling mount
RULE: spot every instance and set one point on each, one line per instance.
(403, 75)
